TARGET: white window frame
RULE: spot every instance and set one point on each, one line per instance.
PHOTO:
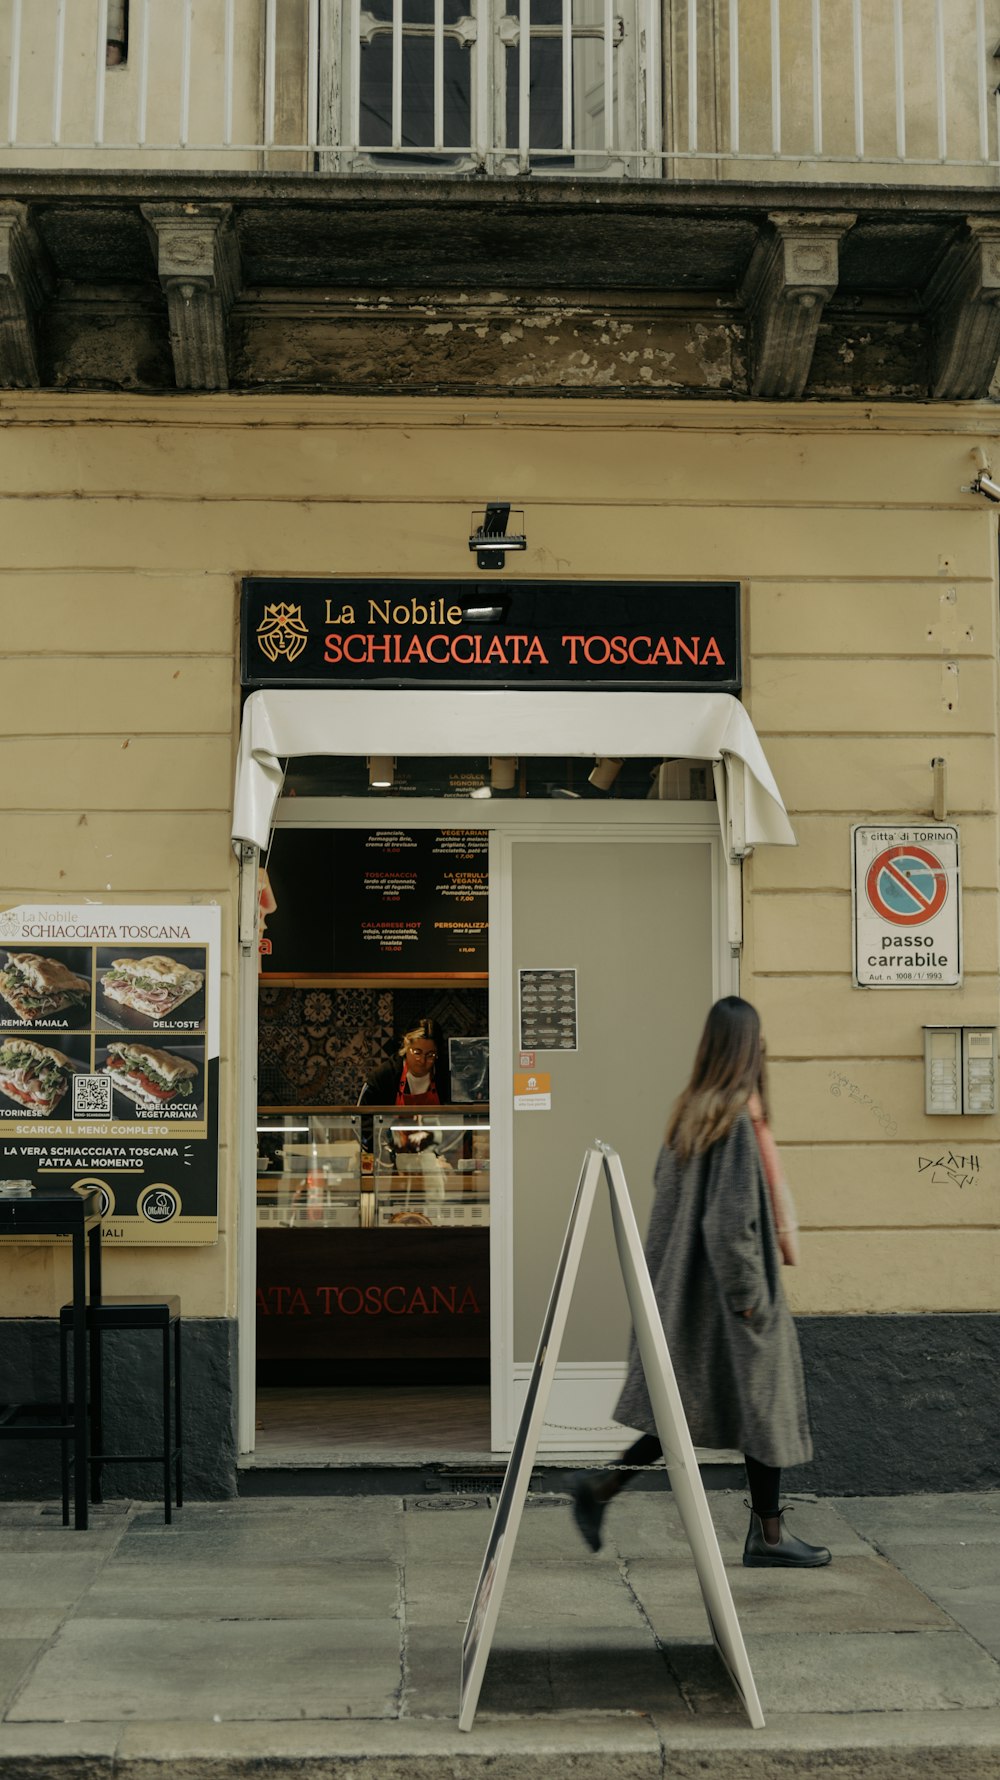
(629, 83)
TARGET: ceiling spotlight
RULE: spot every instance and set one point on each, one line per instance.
(605, 772)
(664, 782)
(490, 539)
(503, 771)
(381, 771)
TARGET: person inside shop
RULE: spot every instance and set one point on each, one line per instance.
(721, 1224)
(417, 1077)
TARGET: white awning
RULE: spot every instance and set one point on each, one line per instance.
(278, 726)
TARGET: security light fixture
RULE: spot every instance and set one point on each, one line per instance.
(983, 481)
(984, 484)
(381, 771)
(480, 611)
(490, 538)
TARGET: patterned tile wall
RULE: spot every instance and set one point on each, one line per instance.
(316, 1045)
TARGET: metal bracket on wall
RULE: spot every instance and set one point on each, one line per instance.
(729, 797)
(249, 860)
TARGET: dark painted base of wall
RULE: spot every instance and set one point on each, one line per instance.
(900, 1404)
(29, 1372)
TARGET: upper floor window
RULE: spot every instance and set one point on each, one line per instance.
(116, 51)
(504, 85)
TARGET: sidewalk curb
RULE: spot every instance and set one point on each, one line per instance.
(919, 1746)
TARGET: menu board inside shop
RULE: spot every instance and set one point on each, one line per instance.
(109, 1061)
(548, 1010)
(371, 902)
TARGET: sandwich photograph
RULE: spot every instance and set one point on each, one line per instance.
(35, 1077)
(140, 991)
(155, 1083)
(50, 989)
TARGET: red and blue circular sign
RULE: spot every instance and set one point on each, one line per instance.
(906, 885)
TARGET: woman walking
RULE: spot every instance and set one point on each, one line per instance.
(714, 1251)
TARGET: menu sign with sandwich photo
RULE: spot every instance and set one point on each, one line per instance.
(140, 989)
(35, 1077)
(45, 988)
(109, 1061)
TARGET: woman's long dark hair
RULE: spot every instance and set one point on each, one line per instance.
(728, 1068)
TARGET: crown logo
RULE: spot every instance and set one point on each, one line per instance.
(282, 631)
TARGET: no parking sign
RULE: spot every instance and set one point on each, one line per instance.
(907, 907)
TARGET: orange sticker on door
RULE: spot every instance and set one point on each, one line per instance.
(532, 1091)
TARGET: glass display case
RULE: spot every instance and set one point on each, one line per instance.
(373, 1168)
(373, 1242)
(432, 1166)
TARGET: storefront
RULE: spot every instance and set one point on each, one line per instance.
(521, 915)
(865, 580)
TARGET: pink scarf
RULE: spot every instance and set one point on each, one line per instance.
(782, 1204)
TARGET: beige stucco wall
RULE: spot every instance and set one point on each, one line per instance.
(110, 110)
(870, 647)
(790, 135)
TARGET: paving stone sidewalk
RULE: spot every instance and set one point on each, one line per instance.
(320, 1636)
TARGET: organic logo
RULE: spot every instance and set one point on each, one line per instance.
(282, 631)
(159, 1204)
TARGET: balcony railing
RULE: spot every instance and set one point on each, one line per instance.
(897, 91)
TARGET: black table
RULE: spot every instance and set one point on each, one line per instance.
(61, 1211)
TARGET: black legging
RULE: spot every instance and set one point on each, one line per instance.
(764, 1480)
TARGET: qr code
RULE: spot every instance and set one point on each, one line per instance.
(91, 1096)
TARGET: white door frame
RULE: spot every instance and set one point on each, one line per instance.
(507, 821)
(627, 825)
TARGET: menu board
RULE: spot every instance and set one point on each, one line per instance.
(373, 902)
(109, 1061)
(548, 1010)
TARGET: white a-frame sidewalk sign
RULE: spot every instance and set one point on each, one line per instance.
(671, 1425)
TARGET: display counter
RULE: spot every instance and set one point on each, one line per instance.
(373, 1233)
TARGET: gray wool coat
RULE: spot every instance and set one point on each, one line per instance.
(712, 1252)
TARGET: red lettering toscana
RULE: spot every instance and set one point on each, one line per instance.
(601, 651)
(480, 649)
(393, 1300)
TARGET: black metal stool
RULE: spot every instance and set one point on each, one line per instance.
(48, 1210)
(132, 1313)
(45, 1421)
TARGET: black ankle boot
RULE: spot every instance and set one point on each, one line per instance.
(786, 1553)
(588, 1508)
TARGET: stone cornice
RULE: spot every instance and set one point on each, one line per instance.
(978, 420)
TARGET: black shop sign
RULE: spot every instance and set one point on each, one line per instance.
(666, 636)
